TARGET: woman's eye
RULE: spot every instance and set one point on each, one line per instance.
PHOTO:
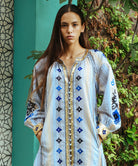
(75, 25)
(63, 25)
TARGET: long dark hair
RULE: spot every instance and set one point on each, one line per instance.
(56, 45)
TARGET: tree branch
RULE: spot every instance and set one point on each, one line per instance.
(69, 1)
(120, 64)
(135, 31)
(94, 10)
(128, 53)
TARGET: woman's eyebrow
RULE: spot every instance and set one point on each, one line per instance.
(71, 22)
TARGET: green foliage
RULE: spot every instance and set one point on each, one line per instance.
(35, 55)
(120, 149)
(61, 1)
(114, 142)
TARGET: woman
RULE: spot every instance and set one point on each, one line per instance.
(62, 108)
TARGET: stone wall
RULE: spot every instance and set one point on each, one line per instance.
(6, 80)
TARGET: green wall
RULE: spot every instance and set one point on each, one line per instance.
(33, 22)
(24, 42)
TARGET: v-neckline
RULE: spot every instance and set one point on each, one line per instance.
(77, 60)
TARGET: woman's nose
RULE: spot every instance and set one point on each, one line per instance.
(70, 29)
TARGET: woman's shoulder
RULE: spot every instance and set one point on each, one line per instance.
(98, 56)
(40, 64)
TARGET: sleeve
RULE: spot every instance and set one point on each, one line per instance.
(34, 116)
(109, 114)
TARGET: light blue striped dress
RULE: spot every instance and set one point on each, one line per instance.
(71, 120)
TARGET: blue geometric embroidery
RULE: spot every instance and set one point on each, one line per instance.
(59, 119)
(58, 88)
(58, 78)
(97, 127)
(59, 150)
(95, 50)
(78, 77)
(58, 129)
(58, 98)
(79, 98)
(58, 109)
(59, 140)
(59, 70)
(103, 55)
(116, 116)
(104, 131)
(31, 106)
(59, 161)
(80, 68)
(79, 109)
(78, 88)
(29, 116)
(79, 130)
(80, 140)
(113, 82)
(80, 161)
(80, 151)
(79, 119)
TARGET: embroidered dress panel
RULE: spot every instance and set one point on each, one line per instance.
(71, 121)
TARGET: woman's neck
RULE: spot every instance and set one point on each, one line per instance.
(73, 50)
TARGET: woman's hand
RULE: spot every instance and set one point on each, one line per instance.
(101, 140)
(39, 136)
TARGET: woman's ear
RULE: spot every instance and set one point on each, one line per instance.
(83, 27)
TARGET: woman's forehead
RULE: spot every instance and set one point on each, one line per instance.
(70, 17)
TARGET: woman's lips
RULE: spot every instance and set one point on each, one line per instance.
(70, 37)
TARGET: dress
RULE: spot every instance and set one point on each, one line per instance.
(71, 120)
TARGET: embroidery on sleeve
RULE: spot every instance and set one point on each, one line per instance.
(114, 100)
(116, 116)
(31, 106)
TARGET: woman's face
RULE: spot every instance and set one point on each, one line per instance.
(71, 27)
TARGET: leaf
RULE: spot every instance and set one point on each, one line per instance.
(127, 6)
(136, 120)
(29, 76)
(112, 2)
(88, 1)
(61, 1)
(133, 5)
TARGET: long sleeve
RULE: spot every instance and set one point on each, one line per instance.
(35, 116)
(109, 115)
